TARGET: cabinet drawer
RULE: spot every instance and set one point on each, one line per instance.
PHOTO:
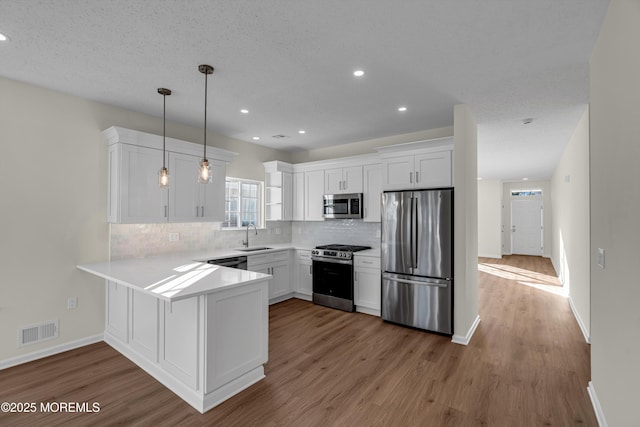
(366, 262)
(268, 258)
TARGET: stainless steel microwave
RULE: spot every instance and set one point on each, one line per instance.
(340, 206)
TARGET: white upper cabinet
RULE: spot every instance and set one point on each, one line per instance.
(279, 204)
(424, 164)
(343, 180)
(372, 191)
(134, 195)
(433, 169)
(298, 196)
(184, 191)
(313, 192)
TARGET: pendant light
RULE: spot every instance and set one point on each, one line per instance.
(163, 174)
(204, 173)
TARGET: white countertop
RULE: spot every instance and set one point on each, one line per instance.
(172, 278)
(375, 252)
(186, 275)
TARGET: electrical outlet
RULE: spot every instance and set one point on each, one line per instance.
(174, 237)
(278, 231)
(72, 303)
(377, 233)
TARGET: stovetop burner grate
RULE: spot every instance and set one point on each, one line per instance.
(345, 248)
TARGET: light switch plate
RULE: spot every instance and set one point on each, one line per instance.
(601, 257)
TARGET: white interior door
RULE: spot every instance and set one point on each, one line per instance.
(526, 227)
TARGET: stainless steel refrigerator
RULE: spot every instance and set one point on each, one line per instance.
(417, 259)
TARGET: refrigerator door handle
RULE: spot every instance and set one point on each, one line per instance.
(414, 282)
(412, 233)
(416, 234)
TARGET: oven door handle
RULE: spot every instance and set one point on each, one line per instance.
(332, 260)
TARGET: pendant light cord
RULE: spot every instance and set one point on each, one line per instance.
(164, 128)
(205, 114)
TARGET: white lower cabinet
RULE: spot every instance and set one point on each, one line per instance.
(179, 342)
(304, 274)
(277, 265)
(233, 351)
(143, 330)
(117, 312)
(205, 348)
(367, 280)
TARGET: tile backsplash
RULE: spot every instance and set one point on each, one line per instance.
(341, 231)
(143, 240)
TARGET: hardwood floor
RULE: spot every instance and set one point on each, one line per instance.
(526, 365)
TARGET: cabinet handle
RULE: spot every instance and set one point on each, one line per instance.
(202, 211)
(410, 177)
(417, 177)
(165, 211)
(356, 276)
(197, 212)
(345, 185)
(310, 270)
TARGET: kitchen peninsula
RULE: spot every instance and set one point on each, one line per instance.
(199, 329)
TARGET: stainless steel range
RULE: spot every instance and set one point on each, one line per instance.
(333, 275)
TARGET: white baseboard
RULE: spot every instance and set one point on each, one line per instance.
(46, 352)
(302, 296)
(281, 298)
(583, 328)
(369, 311)
(459, 339)
(496, 256)
(602, 422)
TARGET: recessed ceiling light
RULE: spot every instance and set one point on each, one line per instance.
(525, 179)
(479, 178)
(255, 138)
(302, 131)
(402, 109)
(4, 38)
(244, 111)
(358, 73)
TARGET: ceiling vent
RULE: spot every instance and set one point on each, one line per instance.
(280, 136)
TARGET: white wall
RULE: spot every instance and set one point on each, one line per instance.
(545, 186)
(53, 192)
(570, 222)
(490, 219)
(465, 269)
(615, 210)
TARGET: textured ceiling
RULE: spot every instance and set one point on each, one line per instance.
(291, 63)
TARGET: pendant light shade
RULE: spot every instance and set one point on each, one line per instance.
(204, 173)
(163, 174)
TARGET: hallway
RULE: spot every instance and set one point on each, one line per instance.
(543, 360)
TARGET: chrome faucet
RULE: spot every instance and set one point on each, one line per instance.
(245, 243)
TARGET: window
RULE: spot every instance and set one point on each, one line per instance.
(243, 203)
(526, 193)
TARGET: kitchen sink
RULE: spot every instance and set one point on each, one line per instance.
(257, 248)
